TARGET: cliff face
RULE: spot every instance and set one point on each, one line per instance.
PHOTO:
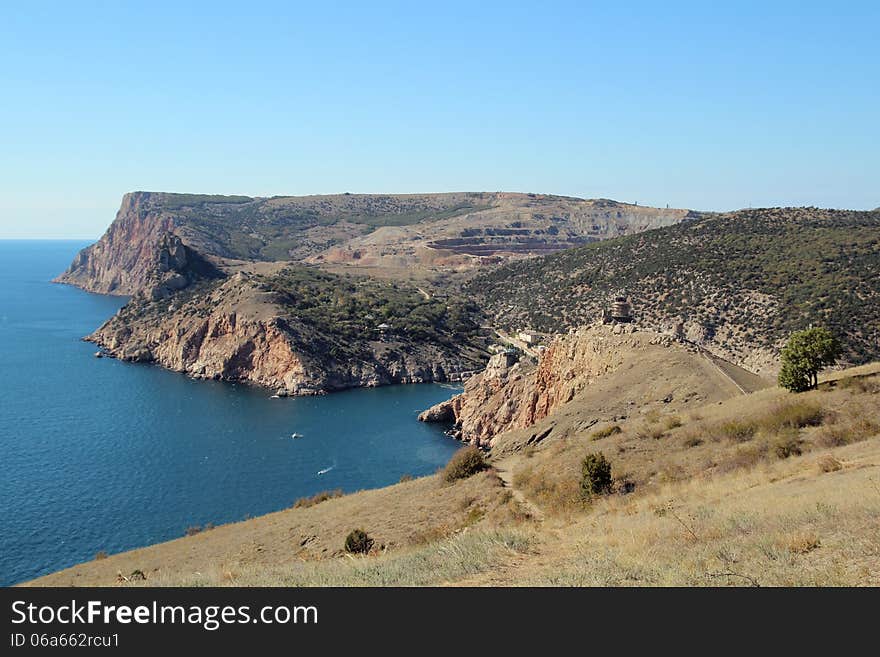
(236, 331)
(606, 370)
(124, 259)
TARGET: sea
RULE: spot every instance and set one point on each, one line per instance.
(99, 455)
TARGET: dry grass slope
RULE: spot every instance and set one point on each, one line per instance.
(766, 489)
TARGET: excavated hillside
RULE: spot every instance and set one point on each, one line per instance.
(442, 232)
(737, 284)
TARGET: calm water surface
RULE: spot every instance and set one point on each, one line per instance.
(96, 454)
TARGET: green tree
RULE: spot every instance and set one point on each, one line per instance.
(595, 475)
(805, 355)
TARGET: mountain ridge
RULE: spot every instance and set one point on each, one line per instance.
(382, 232)
(735, 283)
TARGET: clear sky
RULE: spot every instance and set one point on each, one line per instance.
(703, 105)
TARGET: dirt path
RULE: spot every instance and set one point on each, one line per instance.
(505, 472)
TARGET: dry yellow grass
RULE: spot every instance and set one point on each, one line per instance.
(406, 514)
(793, 500)
(781, 524)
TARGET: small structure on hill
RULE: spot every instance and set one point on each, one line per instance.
(620, 313)
(529, 337)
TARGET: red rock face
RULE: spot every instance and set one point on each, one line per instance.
(123, 260)
(504, 398)
(235, 333)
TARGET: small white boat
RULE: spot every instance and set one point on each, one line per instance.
(325, 470)
(296, 435)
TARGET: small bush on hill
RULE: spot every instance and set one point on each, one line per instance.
(464, 463)
(787, 444)
(595, 475)
(358, 542)
(844, 433)
(827, 463)
(317, 498)
(738, 430)
(794, 414)
(652, 431)
(606, 432)
(860, 384)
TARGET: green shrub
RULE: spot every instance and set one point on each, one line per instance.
(595, 475)
(606, 432)
(358, 542)
(464, 463)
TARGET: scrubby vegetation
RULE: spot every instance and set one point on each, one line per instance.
(274, 229)
(358, 542)
(317, 498)
(748, 279)
(595, 475)
(464, 463)
(606, 432)
(354, 308)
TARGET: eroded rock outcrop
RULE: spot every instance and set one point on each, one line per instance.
(123, 261)
(511, 396)
(237, 331)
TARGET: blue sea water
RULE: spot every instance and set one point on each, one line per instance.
(101, 455)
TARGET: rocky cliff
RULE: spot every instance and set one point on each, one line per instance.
(124, 260)
(243, 329)
(605, 368)
(305, 330)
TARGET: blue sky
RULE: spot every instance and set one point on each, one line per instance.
(693, 104)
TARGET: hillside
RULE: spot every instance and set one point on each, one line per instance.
(762, 489)
(736, 283)
(437, 232)
(597, 374)
(298, 331)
